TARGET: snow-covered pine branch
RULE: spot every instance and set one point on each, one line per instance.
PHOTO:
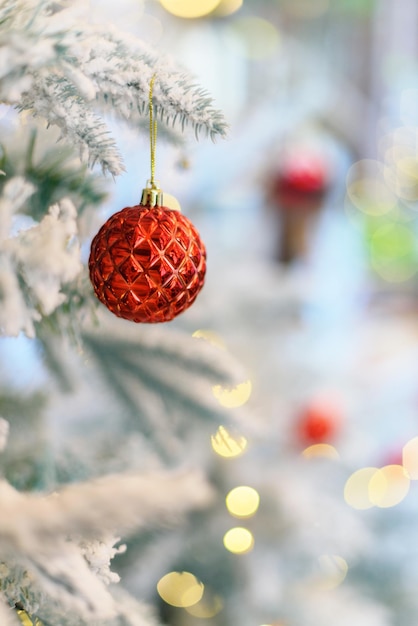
(35, 532)
(65, 70)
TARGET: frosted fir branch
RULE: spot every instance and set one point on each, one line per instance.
(121, 503)
(122, 68)
(34, 529)
(56, 99)
(48, 255)
(99, 553)
(63, 69)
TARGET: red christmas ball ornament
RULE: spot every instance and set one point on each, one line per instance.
(147, 262)
(318, 422)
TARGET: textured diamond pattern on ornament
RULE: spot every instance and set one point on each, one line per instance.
(147, 264)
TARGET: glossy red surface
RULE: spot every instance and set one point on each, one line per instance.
(147, 264)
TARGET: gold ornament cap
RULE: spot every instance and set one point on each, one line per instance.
(152, 195)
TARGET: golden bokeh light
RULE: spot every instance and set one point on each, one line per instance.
(242, 501)
(356, 490)
(180, 589)
(226, 445)
(368, 190)
(333, 570)
(210, 336)
(401, 162)
(189, 9)
(171, 202)
(410, 458)
(209, 606)
(239, 540)
(389, 486)
(259, 36)
(235, 397)
(227, 7)
(321, 450)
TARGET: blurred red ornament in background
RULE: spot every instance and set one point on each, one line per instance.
(147, 264)
(318, 422)
(297, 191)
(301, 182)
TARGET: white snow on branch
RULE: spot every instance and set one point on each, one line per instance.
(48, 255)
(99, 553)
(64, 69)
(34, 529)
(112, 503)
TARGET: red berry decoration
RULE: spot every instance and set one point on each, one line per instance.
(318, 422)
(147, 263)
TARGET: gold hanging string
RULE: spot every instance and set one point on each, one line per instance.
(152, 131)
(152, 195)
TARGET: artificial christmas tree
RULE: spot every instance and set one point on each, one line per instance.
(109, 420)
(56, 550)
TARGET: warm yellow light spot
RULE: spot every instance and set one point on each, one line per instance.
(232, 398)
(368, 190)
(260, 37)
(226, 445)
(227, 7)
(410, 458)
(401, 162)
(238, 540)
(210, 336)
(180, 589)
(207, 607)
(242, 501)
(333, 570)
(189, 8)
(321, 450)
(356, 490)
(389, 486)
(171, 202)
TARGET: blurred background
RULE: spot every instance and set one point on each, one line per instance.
(308, 211)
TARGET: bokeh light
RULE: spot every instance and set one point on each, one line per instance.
(393, 251)
(210, 336)
(389, 486)
(333, 570)
(400, 157)
(410, 458)
(180, 589)
(259, 36)
(171, 202)
(356, 490)
(227, 7)
(367, 188)
(321, 450)
(242, 501)
(227, 445)
(235, 397)
(238, 540)
(209, 606)
(189, 8)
